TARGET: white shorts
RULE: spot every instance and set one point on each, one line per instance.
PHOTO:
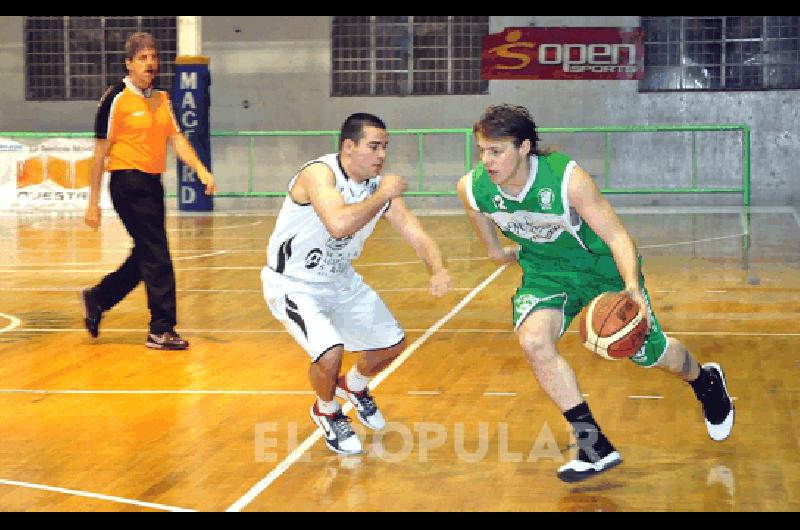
(322, 315)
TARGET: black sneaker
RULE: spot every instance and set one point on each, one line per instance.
(339, 436)
(169, 340)
(92, 313)
(366, 409)
(718, 408)
(583, 467)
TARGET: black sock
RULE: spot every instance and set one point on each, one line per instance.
(701, 384)
(591, 440)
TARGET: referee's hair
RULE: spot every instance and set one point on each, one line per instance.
(353, 127)
(137, 42)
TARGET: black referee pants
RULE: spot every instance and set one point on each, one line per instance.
(138, 198)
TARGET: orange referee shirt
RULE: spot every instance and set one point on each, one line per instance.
(137, 127)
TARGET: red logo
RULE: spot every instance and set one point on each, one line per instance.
(563, 53)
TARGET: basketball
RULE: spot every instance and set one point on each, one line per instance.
(613, 326)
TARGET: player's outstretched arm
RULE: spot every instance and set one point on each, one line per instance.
(409, 227)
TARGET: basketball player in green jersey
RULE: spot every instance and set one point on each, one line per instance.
(572, 248)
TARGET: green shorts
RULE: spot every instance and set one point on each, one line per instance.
(569, 286)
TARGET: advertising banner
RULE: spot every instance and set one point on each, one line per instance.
(564, 53)
(191, 100)
(49, 174)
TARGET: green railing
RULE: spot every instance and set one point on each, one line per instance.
(743, 189)
(419, 133)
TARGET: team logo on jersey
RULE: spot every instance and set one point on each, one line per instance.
(499, 203)
(313, 258)
(546, 197)
(641, 355)
(539, 228)
(525, 303)
(340, 243)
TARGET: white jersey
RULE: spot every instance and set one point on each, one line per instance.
(301, 247)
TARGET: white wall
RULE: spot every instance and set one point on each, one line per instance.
(281, 67)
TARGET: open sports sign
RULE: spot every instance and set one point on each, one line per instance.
(563, 53)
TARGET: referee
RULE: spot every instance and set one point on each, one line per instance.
(134, 123)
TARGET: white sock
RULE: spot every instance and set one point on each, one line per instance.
(327, 407)
(355, 381)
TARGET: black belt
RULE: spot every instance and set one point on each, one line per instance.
(121, 171)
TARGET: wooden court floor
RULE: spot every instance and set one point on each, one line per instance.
(109, 425)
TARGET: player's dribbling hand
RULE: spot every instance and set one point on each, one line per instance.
(92, 216)
(440, 283)
(392, 186)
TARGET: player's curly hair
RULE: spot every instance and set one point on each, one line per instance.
(508, 121)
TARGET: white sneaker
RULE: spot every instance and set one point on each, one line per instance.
(582, 468)
(339, 437)
(366, 409)
(718, 408)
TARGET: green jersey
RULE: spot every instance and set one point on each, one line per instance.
(540, 218)
(564, 262)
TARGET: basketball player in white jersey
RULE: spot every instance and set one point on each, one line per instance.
(311, 287)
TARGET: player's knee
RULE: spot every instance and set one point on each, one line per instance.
(397, 349)
(537, 345)
(331, 359)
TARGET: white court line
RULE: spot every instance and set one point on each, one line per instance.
(77, 264)
(729, 333)
(705, 240)
(125, 234)
(196, 228)
(408, 330)
(14, 322)
(662, 210)
(733, 398)
(144, 330)
(243, 393)
(162, 392)
(396, 263)
(208, 255)
(126, 250)
(112, 498)
(673, 210)
(257, 268)
(259, 291)
(106, 271)
(281, 468)
(357, 266)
